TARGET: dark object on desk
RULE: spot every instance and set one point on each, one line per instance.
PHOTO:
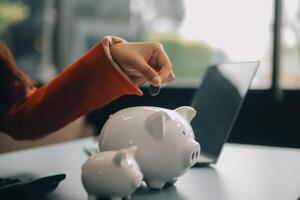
(34, 188)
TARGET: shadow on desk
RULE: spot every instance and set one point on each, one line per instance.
(204, 182)
(198, 182)
(168, 192)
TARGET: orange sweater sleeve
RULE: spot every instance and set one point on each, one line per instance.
(87, 84)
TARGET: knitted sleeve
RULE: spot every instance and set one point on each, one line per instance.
(89, 83)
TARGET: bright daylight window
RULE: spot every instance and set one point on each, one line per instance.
(290, 45)
(195, 33)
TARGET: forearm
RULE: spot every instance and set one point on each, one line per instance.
(89, 83)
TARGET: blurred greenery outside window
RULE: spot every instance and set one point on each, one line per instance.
(48, 35)
(11, 13)
(190, 59)
(21, 29)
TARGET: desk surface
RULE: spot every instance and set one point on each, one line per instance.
(243, 172)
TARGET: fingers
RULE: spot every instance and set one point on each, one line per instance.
(170, 77)
(148, 72)
(166, 73)
(143, 60)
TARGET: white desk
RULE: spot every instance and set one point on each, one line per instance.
(243, 172)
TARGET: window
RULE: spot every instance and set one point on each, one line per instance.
(27, 27)
(194, 33)
(234, 30)
(290, 45)
(48, 35)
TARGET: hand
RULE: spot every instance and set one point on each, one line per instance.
(143, 62)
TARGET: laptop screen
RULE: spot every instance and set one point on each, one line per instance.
(217, 102)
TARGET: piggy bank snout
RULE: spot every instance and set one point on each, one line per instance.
(192, 152)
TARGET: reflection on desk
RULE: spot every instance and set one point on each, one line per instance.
(243, 172)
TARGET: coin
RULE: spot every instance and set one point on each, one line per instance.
(153, 90)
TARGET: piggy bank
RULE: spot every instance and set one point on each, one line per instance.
(165, 141)
(113, 174)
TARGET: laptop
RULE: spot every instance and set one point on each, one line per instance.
(217, 102)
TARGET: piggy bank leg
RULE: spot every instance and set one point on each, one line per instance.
(153, 184)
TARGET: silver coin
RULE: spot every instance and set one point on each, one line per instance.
(153, 90)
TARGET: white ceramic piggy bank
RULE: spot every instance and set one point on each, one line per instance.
(165, 141)
(113, 174)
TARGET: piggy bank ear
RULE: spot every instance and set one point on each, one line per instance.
(132, 150)
(119, 158)
(156, 122)
(186, 112)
